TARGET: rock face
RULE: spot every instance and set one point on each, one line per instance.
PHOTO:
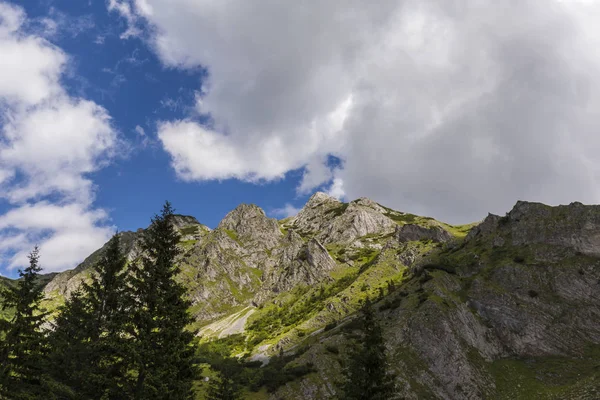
(411, 232)
(183, 221)
(306, 263)
(63, 284)
(331, 221)
(505, 316)
(251, 225)
(575, 226)
(510, 311)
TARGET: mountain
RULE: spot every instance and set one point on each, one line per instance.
(508, 308)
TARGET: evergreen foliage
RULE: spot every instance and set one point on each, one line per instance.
(225, 387)
(162, 362)
(366, 376)
(24, 344)
(88, 341)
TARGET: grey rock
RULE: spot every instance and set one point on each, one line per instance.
(411, 232)
(251, 224)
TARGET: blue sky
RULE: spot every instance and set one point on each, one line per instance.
(127, 79)
(449, 109)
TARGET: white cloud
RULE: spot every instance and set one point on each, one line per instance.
(450, 109)
(66, 233)
(54, 146)
(286, 211)
(316, 173)
(337, 189)
(30, 65)
(49, 144)
(57, 23)
(125, 10)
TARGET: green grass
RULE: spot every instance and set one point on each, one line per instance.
(337, 211)
(188, 244)
(459, 231)
(189, 230)
(233, 235)
(549, 377)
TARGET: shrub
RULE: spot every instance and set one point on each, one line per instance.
(330, 326)
(519, 259)
(532, 293)
(391, 305)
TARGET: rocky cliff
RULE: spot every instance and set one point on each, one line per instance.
(508, 308)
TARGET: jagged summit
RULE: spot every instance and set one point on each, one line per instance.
(494, 300)
(249, 222)
(319, 198)
(181, 221)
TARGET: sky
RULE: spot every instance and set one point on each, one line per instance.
(447, 109)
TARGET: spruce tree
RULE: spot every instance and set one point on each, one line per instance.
(88, 341)
(366, 376)
(23, 349)
(224, 386)
(163, 356)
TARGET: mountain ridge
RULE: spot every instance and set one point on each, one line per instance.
(466, 310)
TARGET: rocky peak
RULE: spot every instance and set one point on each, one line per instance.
(299, 263)
(320, 198)
(66, 282)
(366, 202)
(250, 223)
(181, 221)
(355, 221)
(319, 209)
(486, 227)
(575, 226)
(411, 232)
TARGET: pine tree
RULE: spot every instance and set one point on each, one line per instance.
(88, 341)
(163, 356)
(366, 377)
(23, 350)
(224, 387)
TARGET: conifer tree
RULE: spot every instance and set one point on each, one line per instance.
(88, 341)
(163, 356)
(23, 349)
(224, 387)
(366, 377)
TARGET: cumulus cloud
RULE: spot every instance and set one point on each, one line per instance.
(286, 211)
(66, 233)
(450, 109)
(49, 143)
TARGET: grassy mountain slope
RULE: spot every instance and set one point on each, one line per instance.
(513, 312)
(508, 308)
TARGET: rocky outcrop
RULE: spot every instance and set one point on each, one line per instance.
(488, 226)
(64, 283)
(251, 225)
(182, 221)
(331, 221)
(510, 328)
(317, 213)
(411, 232)
(356, 221)
(299, 263)
(460, 320)
(575, 226)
